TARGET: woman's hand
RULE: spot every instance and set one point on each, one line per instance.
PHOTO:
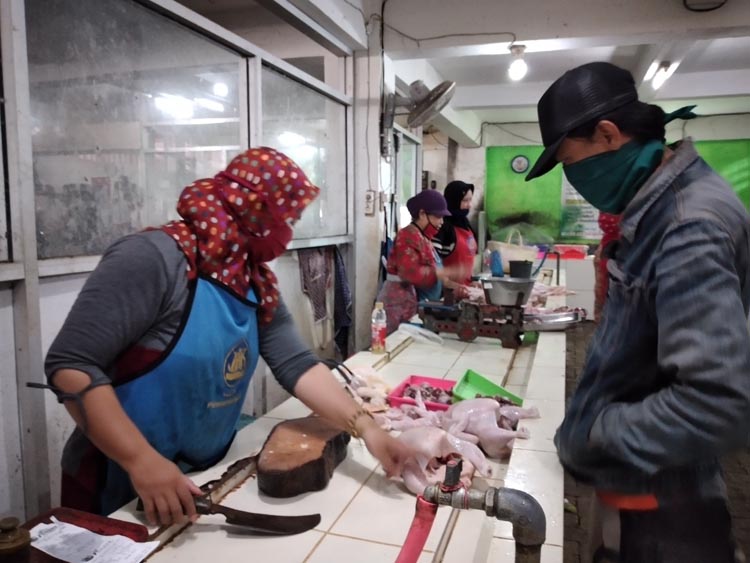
(390, 452)
(448, 273)
(166, 493)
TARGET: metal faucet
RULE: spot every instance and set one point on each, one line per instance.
(511, 505)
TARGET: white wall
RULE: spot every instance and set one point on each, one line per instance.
(11, 478)
(56, 298)
(435, 158)
(367, 229)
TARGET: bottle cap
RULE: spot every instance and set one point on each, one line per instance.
(378, 304)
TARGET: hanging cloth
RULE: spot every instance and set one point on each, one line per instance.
(342, 304)
(315, 277)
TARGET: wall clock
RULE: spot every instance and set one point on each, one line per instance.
(519, 164)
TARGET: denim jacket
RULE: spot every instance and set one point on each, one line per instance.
(666, 385)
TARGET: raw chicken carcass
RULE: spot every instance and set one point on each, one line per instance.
(481, 417)
(431, 446)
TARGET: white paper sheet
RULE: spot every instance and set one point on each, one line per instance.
(77, 545)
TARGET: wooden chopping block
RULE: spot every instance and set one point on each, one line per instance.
(299, 456)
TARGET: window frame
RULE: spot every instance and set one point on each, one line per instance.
(254, 58)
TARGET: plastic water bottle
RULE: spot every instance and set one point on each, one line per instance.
(378, 329)
(486, 257)
(496, 264)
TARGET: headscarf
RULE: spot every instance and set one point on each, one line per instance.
(454, 193)
(235, 222)
(445, 240)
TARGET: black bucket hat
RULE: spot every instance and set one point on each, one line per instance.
(578, 96)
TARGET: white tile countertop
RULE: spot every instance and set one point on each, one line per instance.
(365, 516)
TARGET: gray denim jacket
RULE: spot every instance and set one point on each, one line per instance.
(666, 385)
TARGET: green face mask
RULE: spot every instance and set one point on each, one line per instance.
(609, 181)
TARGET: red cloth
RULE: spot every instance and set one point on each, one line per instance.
(463, 254)
(610, 226)
(241, 213)
(413, 258)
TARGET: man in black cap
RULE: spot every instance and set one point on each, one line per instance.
(666, 386)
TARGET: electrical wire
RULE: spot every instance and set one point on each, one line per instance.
(438, 141)
(419, 40)
(700, 10)
(480, 138)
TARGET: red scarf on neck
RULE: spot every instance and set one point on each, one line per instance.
(235, 222)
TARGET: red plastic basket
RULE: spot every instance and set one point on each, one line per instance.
(396, 398)
(572, 251)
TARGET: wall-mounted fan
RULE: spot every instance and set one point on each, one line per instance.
(423, 104)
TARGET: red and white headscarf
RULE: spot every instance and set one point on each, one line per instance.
(235, 222)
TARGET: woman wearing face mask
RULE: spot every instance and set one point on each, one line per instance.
(156, 355)
(456, 242)
(665, 390)
(415, 270)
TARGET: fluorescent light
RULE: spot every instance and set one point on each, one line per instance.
(213, 105)
(651, 71)
(662, 75)
(174, 106)
(290, 139)
(221, 90)
(517, 69)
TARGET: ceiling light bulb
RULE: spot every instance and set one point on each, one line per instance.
(518, 68)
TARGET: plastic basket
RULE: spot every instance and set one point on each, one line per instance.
(473, 384)
(396, 398)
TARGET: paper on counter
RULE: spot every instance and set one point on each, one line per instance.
(78, 545)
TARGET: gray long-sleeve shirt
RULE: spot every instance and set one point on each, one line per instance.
(137, 296)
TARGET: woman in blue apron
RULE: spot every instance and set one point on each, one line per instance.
(155, 358)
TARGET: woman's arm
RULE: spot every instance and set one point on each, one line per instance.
(159, 483)
(320, 391)
(300, 372)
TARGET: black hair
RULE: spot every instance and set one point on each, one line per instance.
(641, 121)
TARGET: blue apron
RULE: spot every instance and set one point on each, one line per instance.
(434, 293)
(188, 404)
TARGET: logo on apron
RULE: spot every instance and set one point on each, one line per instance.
(235, 363)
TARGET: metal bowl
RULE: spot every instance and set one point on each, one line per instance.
(506, 291)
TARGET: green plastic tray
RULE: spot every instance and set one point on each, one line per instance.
(472, 383)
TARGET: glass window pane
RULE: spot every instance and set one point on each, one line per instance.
(310, 129)
(128, 107)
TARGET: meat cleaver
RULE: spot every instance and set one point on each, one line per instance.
(270, 524)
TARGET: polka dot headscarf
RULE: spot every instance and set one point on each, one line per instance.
(224, 219)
